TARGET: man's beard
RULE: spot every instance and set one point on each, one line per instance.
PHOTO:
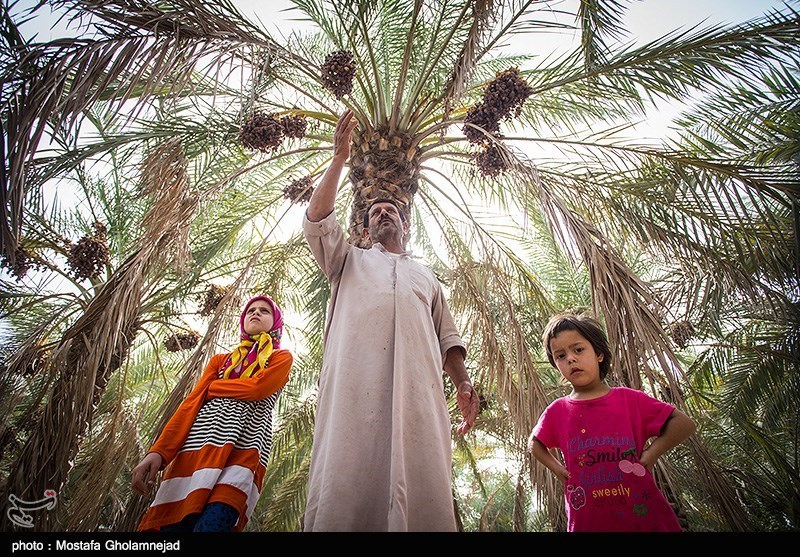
(383, 233)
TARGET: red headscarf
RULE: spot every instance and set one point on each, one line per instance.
(254, 349)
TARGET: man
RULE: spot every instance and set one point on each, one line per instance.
(381, 459)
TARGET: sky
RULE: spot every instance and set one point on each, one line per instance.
(646, 17)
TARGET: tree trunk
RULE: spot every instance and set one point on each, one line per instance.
(383, 165)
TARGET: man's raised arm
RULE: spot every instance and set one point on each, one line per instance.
(324, 196)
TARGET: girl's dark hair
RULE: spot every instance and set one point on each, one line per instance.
(589, 328)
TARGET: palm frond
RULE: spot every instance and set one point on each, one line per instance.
(598, 19)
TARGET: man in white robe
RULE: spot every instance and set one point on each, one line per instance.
(381, 459)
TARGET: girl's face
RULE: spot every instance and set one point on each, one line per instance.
(576, 359)
(258, 318)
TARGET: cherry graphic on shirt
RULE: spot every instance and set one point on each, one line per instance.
(629, 467)
(576, 496)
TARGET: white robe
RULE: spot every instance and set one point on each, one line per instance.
(381, 459)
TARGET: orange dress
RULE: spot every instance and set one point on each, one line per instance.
(216, 446)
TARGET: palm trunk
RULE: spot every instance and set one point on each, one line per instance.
(383, 165)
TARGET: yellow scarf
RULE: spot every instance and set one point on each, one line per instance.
(260, 360)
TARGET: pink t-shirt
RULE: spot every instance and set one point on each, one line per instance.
(601, 440)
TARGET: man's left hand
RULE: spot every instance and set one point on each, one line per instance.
(468, 404)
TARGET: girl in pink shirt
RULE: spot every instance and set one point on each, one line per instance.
(601, 432)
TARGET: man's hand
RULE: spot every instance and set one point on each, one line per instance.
(468, 404)
(341, 137)
(144, 474)
(324, 197)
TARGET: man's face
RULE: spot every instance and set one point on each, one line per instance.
(385, 223)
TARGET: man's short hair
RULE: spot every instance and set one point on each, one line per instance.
(382, 200)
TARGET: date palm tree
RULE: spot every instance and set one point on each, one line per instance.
(525, 194)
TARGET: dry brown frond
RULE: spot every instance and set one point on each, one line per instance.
(502, 349)
(97, 343)
(92, 486)
(165, 177)
(482, 21)
(629, 308)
